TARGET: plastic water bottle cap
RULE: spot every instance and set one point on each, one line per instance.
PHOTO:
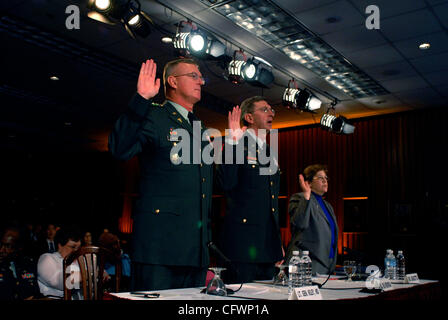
(400, 251)
(295, 253)
(306, 252)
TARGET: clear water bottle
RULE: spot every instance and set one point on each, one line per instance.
(390, 265)
(293, 272)
(307, 269)
(401, 266)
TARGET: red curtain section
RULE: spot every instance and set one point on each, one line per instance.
(130, 171)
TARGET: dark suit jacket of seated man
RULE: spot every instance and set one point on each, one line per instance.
(171, 218)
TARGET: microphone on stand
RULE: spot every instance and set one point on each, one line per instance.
(212, 246)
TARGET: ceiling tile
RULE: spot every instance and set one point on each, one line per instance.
(381, 102)
(435, 2)
(409, 48)
(419, 98)
(409, 25)
(442, 13)
(391, 71)
(389, 8)
(344, 14)
(295, 6)
(443, 90)
(374, 56)
(436, 62)
(354, 39)
(405, 84)
(438, 78)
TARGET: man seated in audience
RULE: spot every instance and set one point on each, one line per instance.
(50, 273)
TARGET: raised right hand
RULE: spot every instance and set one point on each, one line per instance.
(236, 132)
(305, 186)
(147, 85)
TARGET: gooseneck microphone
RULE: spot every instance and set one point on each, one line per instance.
(212, 246)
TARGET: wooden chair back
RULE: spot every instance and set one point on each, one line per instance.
(91, 262)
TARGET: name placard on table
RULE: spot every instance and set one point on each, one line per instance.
(306, 293)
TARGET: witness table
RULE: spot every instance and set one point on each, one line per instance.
(263, 290)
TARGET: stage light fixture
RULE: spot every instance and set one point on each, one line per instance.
(300, 99)
(257, 72)
(102, 5)
(336, 124)
(136, 22)
(105, 11)
(234, 67)
(126, 12)
(199, 44)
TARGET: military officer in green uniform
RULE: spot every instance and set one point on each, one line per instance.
(18, 276)
(171, 218)
(250, 235)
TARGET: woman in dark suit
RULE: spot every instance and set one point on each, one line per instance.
(313, 223)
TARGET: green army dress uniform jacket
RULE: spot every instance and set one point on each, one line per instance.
(251, 232)
(171, 218)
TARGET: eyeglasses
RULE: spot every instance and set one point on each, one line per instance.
(266, 110)
(322, 178)
(192, 75)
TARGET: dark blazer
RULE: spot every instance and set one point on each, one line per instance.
(250, 232)
(171, 218)
(311, 231)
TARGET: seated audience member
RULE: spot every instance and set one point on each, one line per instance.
(110, 243)
(87, 239)
(18, 276)
(47, 244)
(50, 273)
(313, 223)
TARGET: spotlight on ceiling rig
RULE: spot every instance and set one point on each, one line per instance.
(300, 99)
(198, 43)
(127, 12)
(257, 72)
(336, 124)
(234, 67)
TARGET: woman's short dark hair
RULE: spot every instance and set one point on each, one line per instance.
(311, 171)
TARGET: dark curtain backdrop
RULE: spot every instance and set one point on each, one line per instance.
(398, 161)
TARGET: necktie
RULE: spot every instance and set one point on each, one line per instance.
(192, 117)
(51, 247)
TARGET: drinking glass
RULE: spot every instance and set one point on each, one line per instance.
(349, 269)
(216, 286)
(281, 279)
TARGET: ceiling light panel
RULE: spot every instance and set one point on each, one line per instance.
(276, 27)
